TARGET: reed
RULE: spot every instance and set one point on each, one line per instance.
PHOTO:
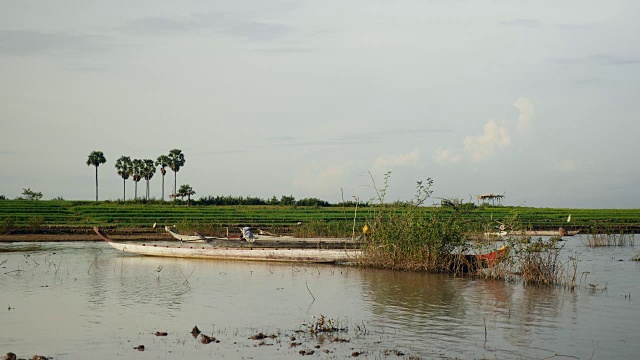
(610, 239)
(403, 237)
(535, 263)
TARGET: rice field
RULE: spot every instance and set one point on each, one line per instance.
(56, 213)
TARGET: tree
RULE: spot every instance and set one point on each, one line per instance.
(176, 161)
(31, 195)
(124, 167)
(148, 169)
(163, 161)
(136, 170)
(186, 190)
(96, 158)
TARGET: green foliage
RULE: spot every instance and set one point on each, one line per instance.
(287, 200)
(8, 224)
(34, 223)
(2, 197)
(29, 194)
(405, 237)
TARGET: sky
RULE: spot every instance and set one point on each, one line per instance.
(536, 100)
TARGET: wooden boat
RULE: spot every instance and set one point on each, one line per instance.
(224, 249)
(188, 238)
(202, 239)
(561, 232)
(262, 240)
(475, 262)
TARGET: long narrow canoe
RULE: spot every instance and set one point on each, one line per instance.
(254, 252)
(269, 241)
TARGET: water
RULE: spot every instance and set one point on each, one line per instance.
(86, 300)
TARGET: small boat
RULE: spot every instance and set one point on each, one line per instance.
(246, 234)
(475, 262)
(225, 249)
(561, 232)
(248, 239)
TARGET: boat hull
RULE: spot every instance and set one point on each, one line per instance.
(206, 251)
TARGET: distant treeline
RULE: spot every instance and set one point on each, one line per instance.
(251, 200)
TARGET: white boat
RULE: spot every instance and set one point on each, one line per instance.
(188, 238)
(247, 251)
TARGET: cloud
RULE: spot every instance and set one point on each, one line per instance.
(528, 23)
(526, 112)
(566, 166)
(313, 178)
(217, 22)
(496, 135)
(385, 162)
(444, 156)
(599, 59)
(481, 146)
(26, 43)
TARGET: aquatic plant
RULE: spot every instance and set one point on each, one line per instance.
(610, 239)
(535, 262)
(406, 238)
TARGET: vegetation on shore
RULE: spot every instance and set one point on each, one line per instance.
(403, 236)
(17, 215)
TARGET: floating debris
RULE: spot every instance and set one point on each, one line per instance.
(205, 339)
(139, 348)
(10, 356)
(260, 336)
(195, 331)
(161, 333)
(306, 352)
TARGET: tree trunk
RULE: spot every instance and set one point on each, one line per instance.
(124, 189)
(162, 187)
(175, 183)
(96, 183)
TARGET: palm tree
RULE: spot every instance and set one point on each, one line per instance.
(96, 158)
(186, 190)
(136, 170)
(148, 169)
(124, 167)
(176, 161)
(163, 162)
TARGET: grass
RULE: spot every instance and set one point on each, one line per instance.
(60, 213)
(621, 239)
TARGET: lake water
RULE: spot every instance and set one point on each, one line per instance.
(87, 301)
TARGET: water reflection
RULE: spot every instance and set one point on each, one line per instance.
(87, 301)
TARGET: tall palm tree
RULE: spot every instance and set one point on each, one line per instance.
(163, 162)
(136, 170)
(148, 169)
(124, 167)
(176, 161)
(96, 158)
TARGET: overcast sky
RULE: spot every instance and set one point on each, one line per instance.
(537, 100)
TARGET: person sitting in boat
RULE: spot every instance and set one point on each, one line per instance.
(247, 234)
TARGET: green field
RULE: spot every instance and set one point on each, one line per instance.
(68, 214)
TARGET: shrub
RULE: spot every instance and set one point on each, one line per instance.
(8, 224)
(405, 237)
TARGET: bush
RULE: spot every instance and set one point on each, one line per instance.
(8, 224)
(405, 237)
